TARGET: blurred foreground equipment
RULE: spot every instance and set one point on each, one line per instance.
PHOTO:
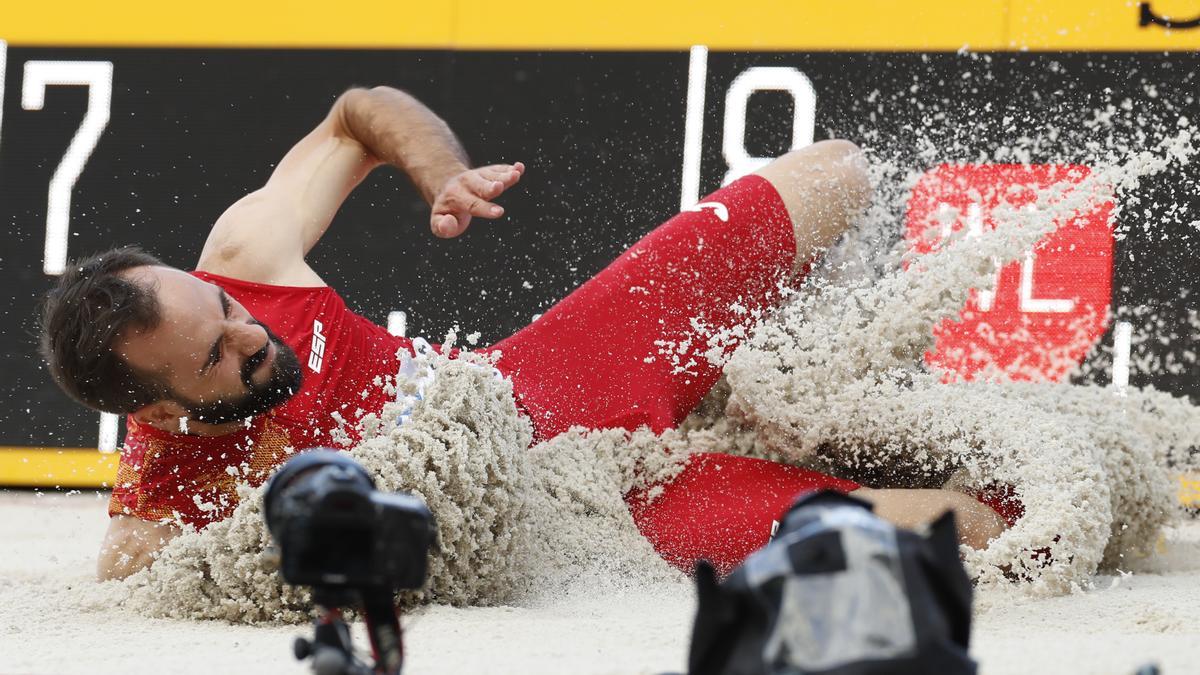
(354, 546)
(838, 592)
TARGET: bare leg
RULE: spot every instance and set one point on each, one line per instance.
(823, 186)
(977, 523)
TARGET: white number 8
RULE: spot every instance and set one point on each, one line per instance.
(733, 141)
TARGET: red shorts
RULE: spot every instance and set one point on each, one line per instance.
(623, 350)
(627, 350)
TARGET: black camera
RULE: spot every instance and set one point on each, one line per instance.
(334, 529)
(353, 545)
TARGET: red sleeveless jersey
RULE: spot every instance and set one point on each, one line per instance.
(346, 360)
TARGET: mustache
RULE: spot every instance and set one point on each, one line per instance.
(255, 360)
(285, 379)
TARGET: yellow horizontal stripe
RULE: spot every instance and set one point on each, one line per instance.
(724, 25)
(57, 467)
(786, 25)
(1189, 490)
(227, 23)
(1083, 25)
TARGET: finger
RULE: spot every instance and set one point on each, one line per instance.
(519, 167)
(463, 202)
(496, 173)
(441, 224)
(448, 226)
(485, 209)
(508, 174)
(483, 187)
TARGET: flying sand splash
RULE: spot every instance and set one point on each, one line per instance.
(837, 381)
(834, 380)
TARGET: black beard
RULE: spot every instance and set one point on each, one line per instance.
(284, 382)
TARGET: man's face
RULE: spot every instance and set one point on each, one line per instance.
(220, 363)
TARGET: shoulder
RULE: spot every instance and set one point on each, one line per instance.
(236, 249)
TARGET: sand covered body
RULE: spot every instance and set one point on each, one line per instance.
(514, 523)
(835, 379)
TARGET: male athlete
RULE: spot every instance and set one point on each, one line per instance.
(224, 371)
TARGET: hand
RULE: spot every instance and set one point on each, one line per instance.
(469, 194)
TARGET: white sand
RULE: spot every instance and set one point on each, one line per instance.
(50, 543)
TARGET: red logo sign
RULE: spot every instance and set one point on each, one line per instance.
(1043, 312)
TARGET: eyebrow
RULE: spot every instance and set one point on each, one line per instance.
(215, 352)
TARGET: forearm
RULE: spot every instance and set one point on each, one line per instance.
(130, 545)
(399, 130)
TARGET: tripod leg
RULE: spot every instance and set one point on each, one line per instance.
(383, 627)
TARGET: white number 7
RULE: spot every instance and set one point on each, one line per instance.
(97, 77)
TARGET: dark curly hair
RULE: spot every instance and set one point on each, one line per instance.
(84, 314)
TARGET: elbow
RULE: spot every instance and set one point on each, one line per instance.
(359, 97)
(385, 90)
(350, 106)
(358, 114)
(350, 119)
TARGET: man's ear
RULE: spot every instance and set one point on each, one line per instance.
(162, 415)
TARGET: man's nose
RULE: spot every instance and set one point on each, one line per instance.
(248, 338)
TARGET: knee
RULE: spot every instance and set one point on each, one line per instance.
(977, 523)
(834, 148)
(841, 163)
(833, 172)
(833, 152)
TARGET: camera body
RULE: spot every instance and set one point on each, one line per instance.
(336, 531)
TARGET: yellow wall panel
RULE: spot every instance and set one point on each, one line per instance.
(57, 467)
(227, 23)
(533, 24)
(1101, 25)
(790, 25)
(793, 25)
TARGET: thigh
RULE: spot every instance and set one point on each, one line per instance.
(631, 347)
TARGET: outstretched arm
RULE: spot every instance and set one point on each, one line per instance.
(420, 143)
(265, 235)
(130, 545)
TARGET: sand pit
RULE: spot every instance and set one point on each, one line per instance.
(1121, 623)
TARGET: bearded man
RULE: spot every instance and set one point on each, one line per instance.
(226, 370)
